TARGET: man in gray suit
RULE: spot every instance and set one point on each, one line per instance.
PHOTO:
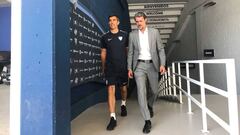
(146, 57)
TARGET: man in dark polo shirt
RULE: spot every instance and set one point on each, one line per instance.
(114, 65)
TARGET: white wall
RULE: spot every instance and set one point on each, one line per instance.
(218, 28)
(186, 47)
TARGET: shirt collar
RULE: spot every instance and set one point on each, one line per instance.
(146, 30)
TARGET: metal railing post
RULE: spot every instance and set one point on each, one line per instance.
(188, 90)
(169, 81)
(232, 99)
(174, 79)
(166, 84)
(203, 99)
(180, 82)
(163, 85)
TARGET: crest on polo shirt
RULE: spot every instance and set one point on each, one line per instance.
(120, 38)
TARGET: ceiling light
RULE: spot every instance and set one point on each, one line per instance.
(209, 4)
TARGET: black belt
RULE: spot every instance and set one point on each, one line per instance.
(145, 61)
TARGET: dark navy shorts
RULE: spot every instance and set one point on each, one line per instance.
(118, 80)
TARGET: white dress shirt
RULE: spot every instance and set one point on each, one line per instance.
(144, 45)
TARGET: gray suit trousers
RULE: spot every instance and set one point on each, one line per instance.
(146, 75)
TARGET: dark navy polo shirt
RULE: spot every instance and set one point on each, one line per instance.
(115, 44)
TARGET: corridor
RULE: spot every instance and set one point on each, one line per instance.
(55, 69)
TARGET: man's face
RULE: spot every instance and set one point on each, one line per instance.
(141, 22)
(113, 22)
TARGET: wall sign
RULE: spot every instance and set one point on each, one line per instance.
(208, 53)
(85, 42)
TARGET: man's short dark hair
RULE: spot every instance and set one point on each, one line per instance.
(113, 16)
(140, 14)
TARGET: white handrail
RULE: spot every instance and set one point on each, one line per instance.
(230, 93)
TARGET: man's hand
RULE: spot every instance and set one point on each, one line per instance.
(162, 70)
(130, 74)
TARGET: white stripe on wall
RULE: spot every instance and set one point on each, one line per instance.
(15, 88)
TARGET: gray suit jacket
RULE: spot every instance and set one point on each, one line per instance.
(156, 49)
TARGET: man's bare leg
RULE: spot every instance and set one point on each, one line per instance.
(111, 106)
(124, 99)
(111, 99)
(124, 92)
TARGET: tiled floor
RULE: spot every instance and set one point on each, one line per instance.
(170, 118)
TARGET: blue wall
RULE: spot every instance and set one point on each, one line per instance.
(103, 8)
(45, 87)
(61, 48)
(5, 28)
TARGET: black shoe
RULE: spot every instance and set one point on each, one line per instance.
(123, 110)
(150, 111)
(147, 127)
(112, 124)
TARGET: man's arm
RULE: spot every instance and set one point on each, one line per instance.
(161, 53)
(130, 56)
(103, 58)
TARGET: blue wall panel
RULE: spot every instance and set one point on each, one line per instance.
(45, 87)
(37, 68)
(5, 28)
(61, 61)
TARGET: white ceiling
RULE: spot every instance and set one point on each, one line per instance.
(154, 1)
(3, 2)
(161, 14)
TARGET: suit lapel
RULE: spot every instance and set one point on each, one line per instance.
(137, 39)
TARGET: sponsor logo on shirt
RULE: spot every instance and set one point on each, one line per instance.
(120, 38)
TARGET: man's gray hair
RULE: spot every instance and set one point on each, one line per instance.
(140, 14)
